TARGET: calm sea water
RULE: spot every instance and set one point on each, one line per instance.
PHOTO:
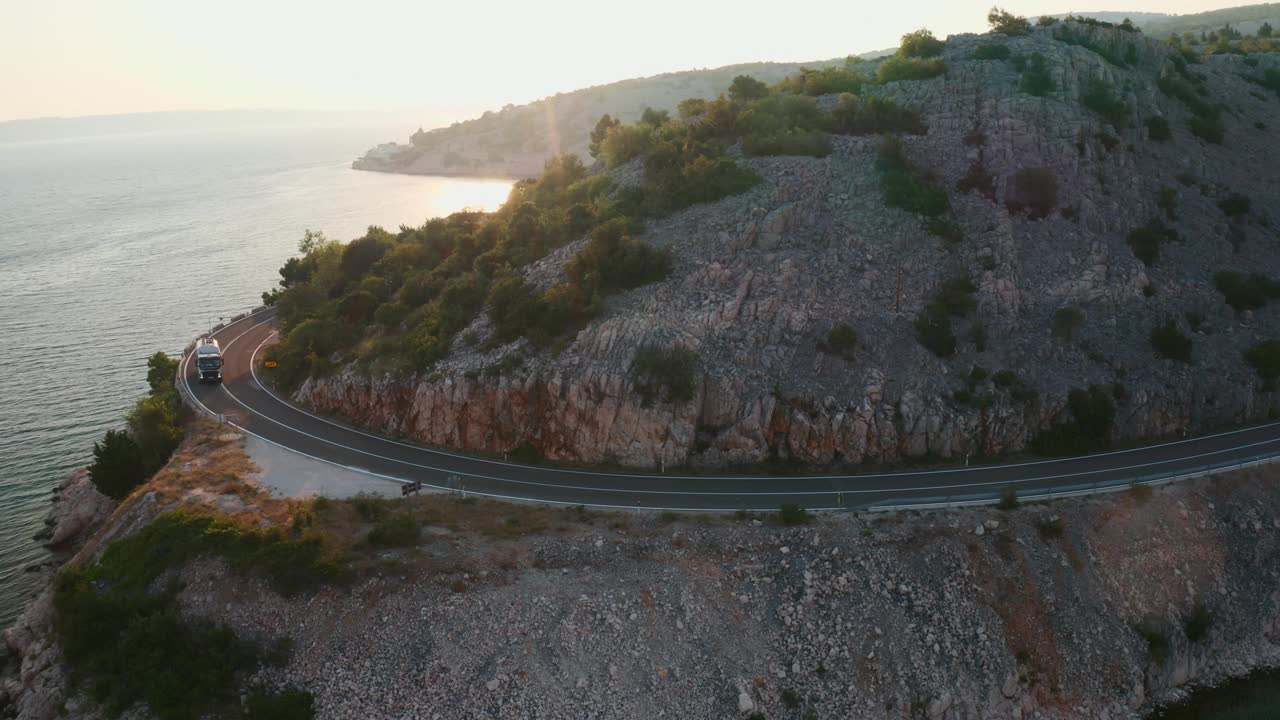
(113, 248)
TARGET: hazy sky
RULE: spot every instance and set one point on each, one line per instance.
(82, 57)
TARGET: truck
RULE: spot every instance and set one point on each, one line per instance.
(208, 360)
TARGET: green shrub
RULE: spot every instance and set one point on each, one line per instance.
(1167, 200)
(1209, 129)
(665, 373)
(613, 261)
(920, 44)
(991, 51)
(897, 68)
(903, 187)
(117, 465)
(1157, 643)
(840, 340)
(1196, 623)
(946, 229)
(395, 530)
(123, 461)
(1147, 240)
(1035, 76)
(1035, 190)
(1246, 292)
(1168, 341)
(1265, 358)
(124, 638)
(1092, 416)
(1008, 500)
(794, 515)
(1067, 321)
(978, 179)
(1234, 205)
(1158, 128)
(1100, 98)
(824, 82)
(953, 298)
(745, 89)
(1006, 23)
(813, 143)
(853, 115)
(284, 705)
(691, 107)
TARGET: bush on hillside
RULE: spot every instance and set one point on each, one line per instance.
(826, 81)
(1235, 205)
(600, 132)
(1265, 358)
(854, 115)
(991, 51)
(745, 88)
(813, 143)
(664, 373)
(117, 465)
(691, 107)
(1169, 342)
(903, 187)
(1006, 23)
(1092, 414)
(840, 340)
(920, 44)
(1246, 292)
(1067, 322)
(953, 299)
(1158, 128)
(1147, 240)
(1035, 77)
(1034, 190)
(124, 460)
(896, 68)
(1100, 97)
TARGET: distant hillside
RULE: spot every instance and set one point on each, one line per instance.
(516, 140)
(1246, 18)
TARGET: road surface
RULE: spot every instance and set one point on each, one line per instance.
(245, 402)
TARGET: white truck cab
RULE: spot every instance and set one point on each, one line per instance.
(208, 360)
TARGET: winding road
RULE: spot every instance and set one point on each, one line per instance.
(243, 401)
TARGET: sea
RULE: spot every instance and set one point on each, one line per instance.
(114, 247)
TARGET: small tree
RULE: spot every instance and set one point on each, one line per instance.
(1265, 31)
(1035, 190)
(1265, 358)
(1234, 204)
(921, 44)
(1006, 23)
(841, 340)
(745, 88)
(664, 373)
(1169, 341)
(117, 465)
(600, 132)
(1066, 322)
(691, 107)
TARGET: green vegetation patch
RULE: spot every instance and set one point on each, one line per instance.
(121, 632)
(854, 115)
(1033, 190)
(1168, 341)
(1100, 97)
(1246, 292)
(991, 51)
(898, 68)
(124, 459)
(664, 373)
(953, 299)
(1146, 240)
(1092, 414)
(1265, 358)
(904, 186)
(1035, 76)
(841, 340)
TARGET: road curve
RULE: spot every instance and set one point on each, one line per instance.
(245, 402)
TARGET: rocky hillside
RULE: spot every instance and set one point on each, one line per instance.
(516, 140)
(1071, 243)
(451, 608)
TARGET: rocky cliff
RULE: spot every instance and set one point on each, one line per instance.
(759, 279)
(1094, 608)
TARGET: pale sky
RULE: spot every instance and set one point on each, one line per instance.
(88, 57)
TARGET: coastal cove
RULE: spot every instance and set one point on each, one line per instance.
(116, 247)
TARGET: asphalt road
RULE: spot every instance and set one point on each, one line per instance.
(245, 402)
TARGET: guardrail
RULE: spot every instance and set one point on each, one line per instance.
(1081, 490)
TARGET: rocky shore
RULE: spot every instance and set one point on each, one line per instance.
(1093, 608)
